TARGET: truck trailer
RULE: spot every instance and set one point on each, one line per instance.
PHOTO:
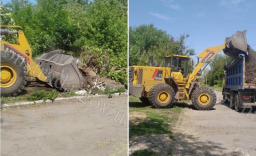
(240, 95)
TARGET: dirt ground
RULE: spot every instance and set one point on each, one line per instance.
(218, 132)
(70, 127)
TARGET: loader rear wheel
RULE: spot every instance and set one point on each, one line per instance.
(13, 73)
(203, 98)
(161, 95)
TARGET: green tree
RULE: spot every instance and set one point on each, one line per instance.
(147, 40)
(6, 16)
(75, 25)
(106, 25)
(217, 69)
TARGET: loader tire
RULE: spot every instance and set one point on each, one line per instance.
(161, 95)
(13, 73)
(144, 100)
(203, 98)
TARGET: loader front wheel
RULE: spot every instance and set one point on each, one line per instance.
(203, 98)
(13, 73)
(161, 95)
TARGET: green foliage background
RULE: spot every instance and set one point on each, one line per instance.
(73, 25)
(147, 40)
(212, 76)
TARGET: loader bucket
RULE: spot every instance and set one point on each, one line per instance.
(61, 70)
(236, 44)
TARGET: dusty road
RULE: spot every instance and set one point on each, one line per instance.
(71, 127)
(221, 131)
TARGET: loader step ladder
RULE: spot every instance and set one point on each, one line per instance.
(181, 93)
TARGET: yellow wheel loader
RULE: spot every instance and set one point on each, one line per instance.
(161, 86)
(55, 68)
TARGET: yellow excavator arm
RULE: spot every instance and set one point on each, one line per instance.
(204, 59)
(23, 49)
(232, 46)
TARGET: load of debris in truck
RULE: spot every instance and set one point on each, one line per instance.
(250, 65)
(237, 44)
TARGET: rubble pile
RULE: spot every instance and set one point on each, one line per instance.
(250, 65)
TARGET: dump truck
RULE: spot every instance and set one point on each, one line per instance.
(236, 91)
(161, 86)
(57, 69)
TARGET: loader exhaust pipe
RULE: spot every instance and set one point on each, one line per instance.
(5, 32)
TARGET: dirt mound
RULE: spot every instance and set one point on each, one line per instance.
(250, 65)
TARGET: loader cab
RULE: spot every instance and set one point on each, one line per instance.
(177, 63)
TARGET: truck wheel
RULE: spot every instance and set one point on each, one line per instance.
(225, 100)
(144, 100)
(161, 95)
(13, 73)
(238, 103)
(203, 98)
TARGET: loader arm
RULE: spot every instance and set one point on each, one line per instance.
(205, 58)
(23, 49)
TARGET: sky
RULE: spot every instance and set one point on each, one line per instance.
(7, 1)
(207, 22)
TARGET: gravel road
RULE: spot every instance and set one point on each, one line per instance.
(221, 131)
(70, 127)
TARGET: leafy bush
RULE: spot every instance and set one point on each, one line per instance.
(110, 90)
(69, 93)
(118, 76)
(42, 95)
(72, 26)
(110, 65)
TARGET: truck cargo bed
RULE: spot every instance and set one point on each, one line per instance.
(239, 94)
(235, 74)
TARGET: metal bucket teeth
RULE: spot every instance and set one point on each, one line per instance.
(61, 70)
(236, 44)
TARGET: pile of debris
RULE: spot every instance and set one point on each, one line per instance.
(91, 69)
(250, 65)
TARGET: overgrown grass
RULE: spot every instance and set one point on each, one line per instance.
(37, 95)
(145, 152)
(69, 93)
(110, 90)
(52, 95)
(146, 120)
(42, 95)
(158, 121)
(12, 99)
(155, 124)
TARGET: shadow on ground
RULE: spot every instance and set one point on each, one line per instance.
(181, 144)
(186, 144)
(33, 86)
(245, 110)
(139, 104)
(177, 104)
